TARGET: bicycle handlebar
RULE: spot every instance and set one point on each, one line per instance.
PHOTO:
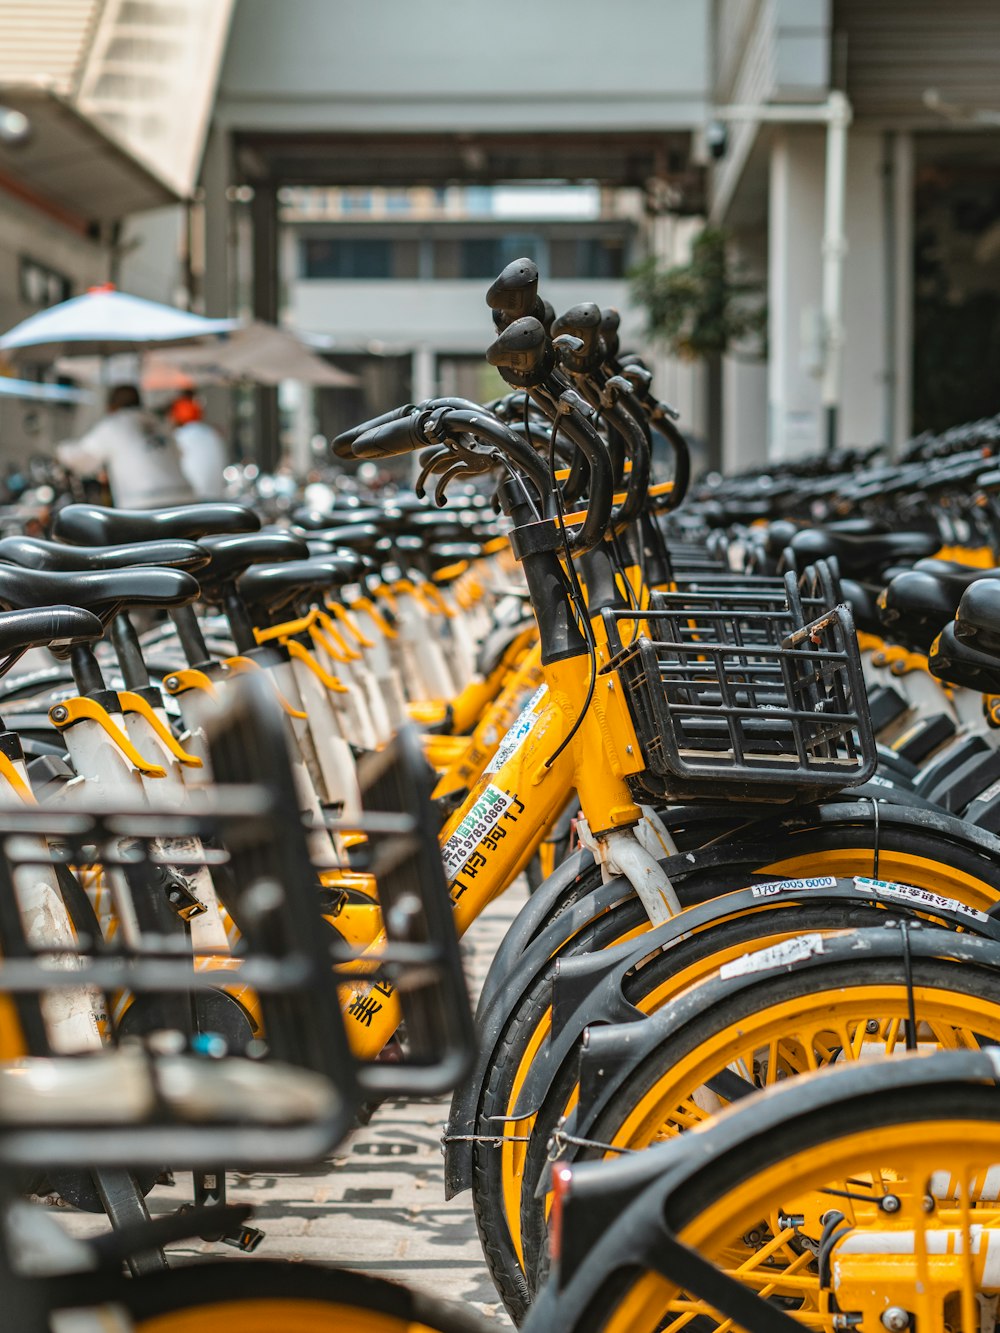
(342, 443)
(391, 438)
(514, 294)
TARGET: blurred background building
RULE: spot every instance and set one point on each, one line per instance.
(362, 171)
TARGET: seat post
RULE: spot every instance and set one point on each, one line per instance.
(129, 653)
(191, 638)
(239, 619)
(86, 670)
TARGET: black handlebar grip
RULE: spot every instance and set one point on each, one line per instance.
(392, 438)
(522, 353)
(548, 316)
(610, 324)
(583, 321)
(514, 294)
(342, 443)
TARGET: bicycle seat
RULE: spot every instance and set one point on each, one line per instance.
(272, 586)
(34, 553)
(960, 664)
(915, 608)
(855, 527)
(863, 603)
(318, 519)
(777, 535)
(231, 556)
(862, 554)
(978, 617)
(357, 536)
(41, 626)
(103, 592)
(434, 524)
(94, 525)
(955, 577)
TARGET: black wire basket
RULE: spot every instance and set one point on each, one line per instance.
(774, 717)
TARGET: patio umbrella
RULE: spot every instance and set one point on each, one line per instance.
(258, 353)
(31, 391)
(149, 370)
(103, 322)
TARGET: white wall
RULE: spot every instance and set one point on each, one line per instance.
(450, 64)
(151, 255)
(451, 316)
(26, 231)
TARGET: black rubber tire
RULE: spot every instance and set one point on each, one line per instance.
(811, 841)
(729, 933)
(756, 1141)
(219, 1282)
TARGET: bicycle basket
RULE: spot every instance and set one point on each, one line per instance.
(716, 716)
(278, 1084)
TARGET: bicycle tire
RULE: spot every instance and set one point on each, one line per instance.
(793, 1128)
(221, 1295)
(724, 937)
(971, 877)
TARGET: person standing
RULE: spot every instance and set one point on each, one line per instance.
(142, 461)
(202, 448)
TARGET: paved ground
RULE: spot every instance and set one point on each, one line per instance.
(379, 1205)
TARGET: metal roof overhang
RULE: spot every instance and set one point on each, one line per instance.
(71, 165)
(357, 159)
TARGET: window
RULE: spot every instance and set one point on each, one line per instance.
(483, 256)
(397, 201)
(40, 285)
(587, 257)
(356, 201)
(332, 257)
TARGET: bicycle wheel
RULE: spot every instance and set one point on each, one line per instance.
(895, 1156)
(838, 1006)
(649, 987)
(947, 858)
(258, 1296)
(510, 1218)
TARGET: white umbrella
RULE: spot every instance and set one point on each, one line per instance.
(103, 322)
(32, 391)
(259, 353)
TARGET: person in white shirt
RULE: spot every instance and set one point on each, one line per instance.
(202, 448)
(142, 461)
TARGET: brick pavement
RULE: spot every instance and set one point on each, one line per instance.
(379, 1205)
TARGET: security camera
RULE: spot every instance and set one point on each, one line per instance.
(717, 138)
(15, 127)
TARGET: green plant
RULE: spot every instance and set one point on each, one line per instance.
(705, 307)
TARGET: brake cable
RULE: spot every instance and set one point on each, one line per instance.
(576, 596)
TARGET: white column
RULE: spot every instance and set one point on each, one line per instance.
(744, 420)
(423, 373)
(865, 372)
(794, 291)
(902, 383)
(795, 269)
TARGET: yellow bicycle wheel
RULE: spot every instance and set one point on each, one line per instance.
(854, 1193)
(250, 1296)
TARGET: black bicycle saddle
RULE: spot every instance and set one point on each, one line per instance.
(95, 525)
(34, 553)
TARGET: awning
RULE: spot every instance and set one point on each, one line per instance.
(73, 165)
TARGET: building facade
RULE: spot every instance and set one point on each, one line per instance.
(920, 277)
